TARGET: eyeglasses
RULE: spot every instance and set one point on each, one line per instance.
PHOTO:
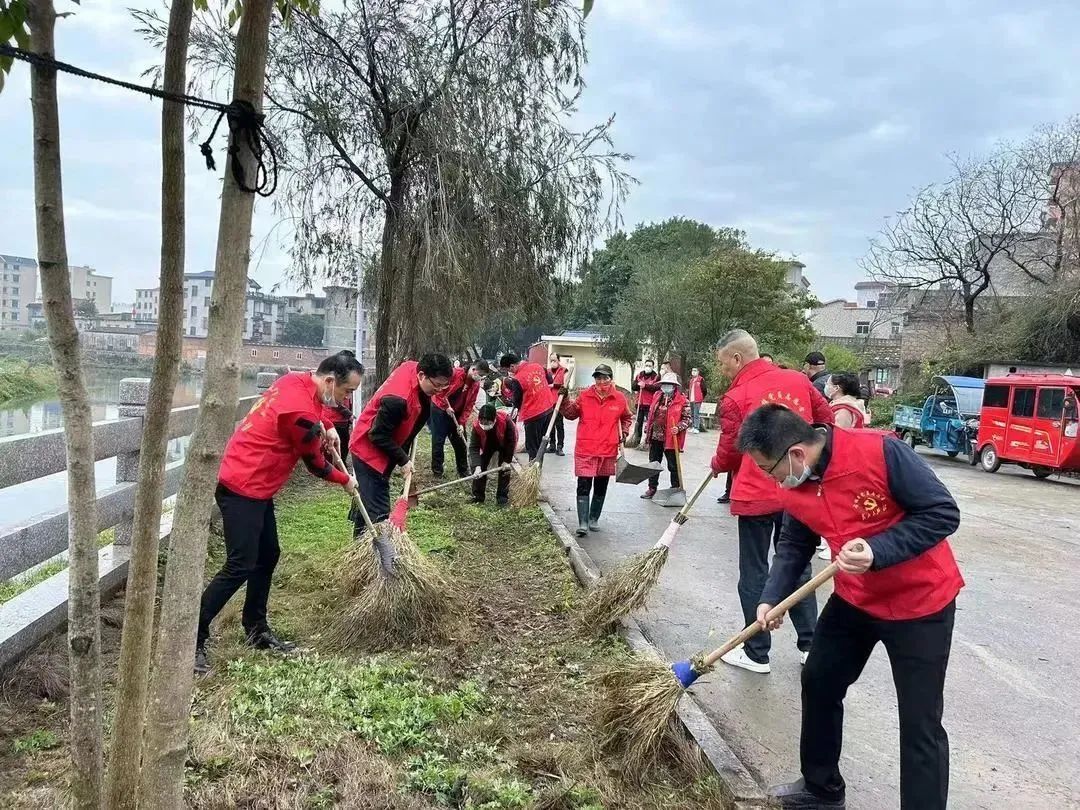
(782, 457)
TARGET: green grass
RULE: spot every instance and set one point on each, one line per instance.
(22, 380)
(11, 588)
(41, 740)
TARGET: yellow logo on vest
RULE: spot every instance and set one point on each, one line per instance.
(785, 398)
(869, 504)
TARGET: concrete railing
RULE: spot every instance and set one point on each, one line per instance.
(32, 615)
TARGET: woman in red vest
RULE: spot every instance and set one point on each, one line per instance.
(698, 392)
(604, 417)
(887, 518)
(669, 419)
(843, 392)
(493, 435)
(558, 382)
(647, 386)
(388, 425)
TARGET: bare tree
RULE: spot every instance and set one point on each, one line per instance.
(955, 234)
(162, 777)
(84, 631)
(125, 754)
(433, 138)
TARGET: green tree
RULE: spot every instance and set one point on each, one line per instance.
(303, 330)
(86, 308)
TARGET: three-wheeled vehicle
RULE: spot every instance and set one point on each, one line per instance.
(1031, 420)
(948, 420)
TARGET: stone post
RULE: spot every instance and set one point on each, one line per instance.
(134, 392)
(264, 379)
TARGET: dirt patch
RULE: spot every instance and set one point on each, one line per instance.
(502, 714)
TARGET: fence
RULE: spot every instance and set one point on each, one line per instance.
(29, 617)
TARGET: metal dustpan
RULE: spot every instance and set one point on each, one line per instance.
(627, 472)
(673, 496)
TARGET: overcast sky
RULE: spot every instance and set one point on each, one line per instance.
(804, 123)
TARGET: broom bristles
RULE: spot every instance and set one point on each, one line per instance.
(624, 590)
(525, 488)
(412, 606)
(637, 712)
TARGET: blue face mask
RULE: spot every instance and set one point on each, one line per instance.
(791, 480)
(669, 390)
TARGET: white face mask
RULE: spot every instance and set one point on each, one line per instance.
(792, 480)
(487, 427)
(669, 390)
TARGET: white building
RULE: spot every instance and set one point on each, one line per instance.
(147, 303)
(89, 285)
(264, 315)
(339, 324)
(871, 315)
(18, 289)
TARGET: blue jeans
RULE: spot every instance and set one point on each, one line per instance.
(695, 413)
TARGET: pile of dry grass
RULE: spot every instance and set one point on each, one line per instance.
(525, 488)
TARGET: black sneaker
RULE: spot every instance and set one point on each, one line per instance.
(559, 451)
(266, 640)
(795, 796)
(202, 661)
(724, 499)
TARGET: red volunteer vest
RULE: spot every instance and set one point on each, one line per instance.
(402, 383)
(695, 389)
(645, 398)
(558, 377)
(536, 394)
(674, 413)
(853, 500)
(258, 460)
(762, 383)
(504, 433)
(856, 414)
(598, 423)
(461, 395)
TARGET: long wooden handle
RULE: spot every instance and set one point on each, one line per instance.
(752, 630)
(409, 475)
(697, 494)
(551, 421)
(678, 461)
(335, 457)
(473, 477)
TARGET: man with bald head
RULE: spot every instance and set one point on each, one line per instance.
(755, 499)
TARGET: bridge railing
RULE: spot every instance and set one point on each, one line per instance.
(30, 616)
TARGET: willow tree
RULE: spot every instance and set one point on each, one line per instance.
(436, 138)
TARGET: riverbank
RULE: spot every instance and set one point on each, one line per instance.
(24, 381)
(499, 716)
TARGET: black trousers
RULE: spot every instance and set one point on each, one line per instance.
(919, 655)
(374, 490)
(727, 486)
(756, 535)
(502, 490)
(251, 554)
(344, 431)
(442, 428)
(658, 453)
(642, 415)
(558, 433)
(534, 433)
(597, 485)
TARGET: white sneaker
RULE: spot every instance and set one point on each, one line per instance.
(738, 658)
(822, 545)
(694, 430)
(825, 554)
(803, 655)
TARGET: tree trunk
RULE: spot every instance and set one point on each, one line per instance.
(84, 631)
(170, 693)
(387, 277)
(969, 314)
(136, 643)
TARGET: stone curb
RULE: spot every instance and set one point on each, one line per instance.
(741, 787)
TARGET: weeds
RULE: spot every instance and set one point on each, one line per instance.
(41, 740)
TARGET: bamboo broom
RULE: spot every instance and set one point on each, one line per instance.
(627, 588)
(642, 696)
(525, 489)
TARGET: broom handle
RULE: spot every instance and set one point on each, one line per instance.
(551, 421)
(678, 461)
(697, 494)
(412, 460)
(481, 474)
(751, 630)
(335, 457)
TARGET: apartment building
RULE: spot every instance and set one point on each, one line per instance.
(18, 289)
(147, 303)
(89, 285)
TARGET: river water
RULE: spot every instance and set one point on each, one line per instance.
(43, 494)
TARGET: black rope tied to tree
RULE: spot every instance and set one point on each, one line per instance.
(246, 125)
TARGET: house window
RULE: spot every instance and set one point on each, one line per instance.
(299, 355)
(204, 323)
(895, 328)
(254, 352)
(882, 376)
(871, 304)
(191, 331)
(277, 355)
(194, 311)
(194, 290)
(206, 301)
(862, 327)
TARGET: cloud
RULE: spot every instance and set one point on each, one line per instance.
(76, 208)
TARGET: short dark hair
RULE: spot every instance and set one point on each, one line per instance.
(341, 365)
(847, 382)
(434, 364)
(481, 366)
(772, 430)
(487, 412)
(508, 360)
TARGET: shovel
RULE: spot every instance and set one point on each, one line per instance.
(414, 497)
(627, 472)
(674, 496)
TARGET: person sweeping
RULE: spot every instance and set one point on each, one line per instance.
(493, 435)
(529, 385)
(388, 425)
(898, 586)
(284, 426)
(604, 417)
(665, 429)
(450, 414)
(558, 382)
(647, 386)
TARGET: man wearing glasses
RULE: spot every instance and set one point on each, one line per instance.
(755, 499)
(388, 426)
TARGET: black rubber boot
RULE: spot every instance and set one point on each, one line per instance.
(582, 515)
(594, 512)
(795, 796)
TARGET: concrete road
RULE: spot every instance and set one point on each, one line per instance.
(1013, 689)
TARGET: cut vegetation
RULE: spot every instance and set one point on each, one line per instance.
(503, 714)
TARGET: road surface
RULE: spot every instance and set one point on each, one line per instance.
(1013, 689)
